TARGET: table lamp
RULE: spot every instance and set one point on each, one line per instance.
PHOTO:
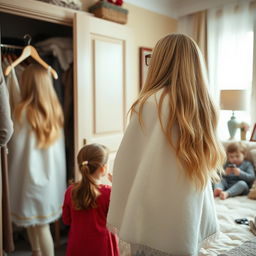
(233, 100)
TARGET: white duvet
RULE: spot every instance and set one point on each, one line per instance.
(231, 234)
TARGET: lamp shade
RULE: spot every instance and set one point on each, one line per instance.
(234, 99)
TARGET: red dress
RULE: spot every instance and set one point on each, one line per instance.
(88, 234)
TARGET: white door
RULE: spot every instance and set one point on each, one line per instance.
(104, 79)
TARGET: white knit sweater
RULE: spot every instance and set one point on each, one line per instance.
(153, 205)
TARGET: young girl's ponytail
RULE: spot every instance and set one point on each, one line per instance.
(85, 192)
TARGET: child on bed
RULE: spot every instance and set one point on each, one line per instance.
(239, 173)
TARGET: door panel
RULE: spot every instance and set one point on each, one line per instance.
(103, 92)
(109, 87)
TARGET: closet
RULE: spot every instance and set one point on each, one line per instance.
(103, 66)
(12, 34)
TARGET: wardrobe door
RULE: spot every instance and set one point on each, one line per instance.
(104, 87)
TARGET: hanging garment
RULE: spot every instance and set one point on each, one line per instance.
(69, 120)
(18, 69)
(8, 244)
(6, 130)
(153, 205)
(37, 176)
(60, 47)
(6, 126)
(12, 86)
(58, 84)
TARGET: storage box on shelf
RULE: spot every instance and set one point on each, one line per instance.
(109, 11)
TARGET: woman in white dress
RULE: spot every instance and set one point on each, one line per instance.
(162, 201)
(37, 159)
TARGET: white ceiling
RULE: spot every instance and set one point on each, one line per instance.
(165, 7)
(177, 8)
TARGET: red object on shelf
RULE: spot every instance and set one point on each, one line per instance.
(119, 2)
(116, 2)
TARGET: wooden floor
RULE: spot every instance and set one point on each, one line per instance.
(22, 247)
(25, 251)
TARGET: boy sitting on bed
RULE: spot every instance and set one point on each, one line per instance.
(239, 173)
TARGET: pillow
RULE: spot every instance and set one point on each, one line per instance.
(252, 153)
(252, 192)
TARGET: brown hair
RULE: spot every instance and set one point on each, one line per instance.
(236, 147)
(89, 159)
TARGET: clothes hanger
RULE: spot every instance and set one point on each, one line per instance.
(29, 50)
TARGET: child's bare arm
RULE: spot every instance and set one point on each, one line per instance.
(110, 177)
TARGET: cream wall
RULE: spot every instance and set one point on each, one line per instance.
(147, 26)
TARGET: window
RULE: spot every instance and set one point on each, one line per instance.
(235, 72)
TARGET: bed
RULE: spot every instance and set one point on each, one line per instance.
(232, 235)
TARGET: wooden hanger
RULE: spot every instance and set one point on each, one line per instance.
(29, 50)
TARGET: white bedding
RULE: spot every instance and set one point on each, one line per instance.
(231, 234)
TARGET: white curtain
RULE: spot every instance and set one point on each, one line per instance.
(194, 25)
(230, 51)
(230, 46)
(185, 25)
(253, 96)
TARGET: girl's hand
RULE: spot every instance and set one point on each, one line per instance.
(110, 177)
(237, 171)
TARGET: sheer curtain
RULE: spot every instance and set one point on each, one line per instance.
(194, 25)
(230, 54)
(253, 95)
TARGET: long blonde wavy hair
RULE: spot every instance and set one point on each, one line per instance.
(39, 100)
(177, 67)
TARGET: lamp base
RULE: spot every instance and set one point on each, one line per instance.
(232, 126)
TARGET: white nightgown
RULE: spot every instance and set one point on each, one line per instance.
(37, 177)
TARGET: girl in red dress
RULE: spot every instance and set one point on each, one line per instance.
(86, 205)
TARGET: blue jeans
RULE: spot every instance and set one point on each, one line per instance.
(236, 189)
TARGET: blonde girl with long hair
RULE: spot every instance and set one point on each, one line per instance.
(162, 201)
(86, 205)
(37, 158)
